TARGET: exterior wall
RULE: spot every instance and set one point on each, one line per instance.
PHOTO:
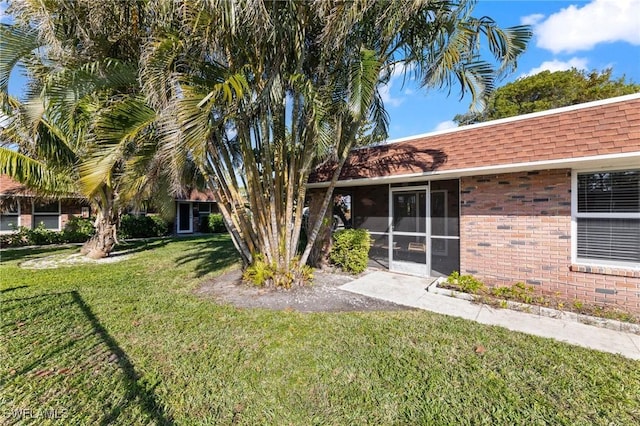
(68, 208)
(516, 227)
(26, 208)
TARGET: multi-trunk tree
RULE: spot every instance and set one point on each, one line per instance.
(257, 93)
(254, 93)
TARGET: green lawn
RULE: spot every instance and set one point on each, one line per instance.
(128, 343)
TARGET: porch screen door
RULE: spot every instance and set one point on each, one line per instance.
(408, 236)
(185, 218)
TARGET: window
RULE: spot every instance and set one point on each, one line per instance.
(47, 213)
(10, 216)
(204, 209)
(607, 218)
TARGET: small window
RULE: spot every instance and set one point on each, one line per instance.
(10, 217)
(47, 214)
(204, 208)
(608, 217)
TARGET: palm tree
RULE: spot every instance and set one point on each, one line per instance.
(83, 129)
(257, 93)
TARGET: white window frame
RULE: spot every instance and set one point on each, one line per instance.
(184, 231)
(207, 212)
(34, 215)
(19, 222)
(575, 215)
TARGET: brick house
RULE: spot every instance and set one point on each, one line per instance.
(551, 199)
(193, 210)
(20, 207)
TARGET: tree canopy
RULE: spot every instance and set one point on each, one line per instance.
(255, 93)
(548, 90)
(83, 128)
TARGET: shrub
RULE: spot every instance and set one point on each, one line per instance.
(350, 250)
(16, 239)
(78, 230)
(261, 273)
(216, 223)
(42, 236)
(465, 283)
(132, 226)
(518, 292)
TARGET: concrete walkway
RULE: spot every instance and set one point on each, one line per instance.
(410, 291)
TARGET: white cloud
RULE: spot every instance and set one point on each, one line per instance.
(397, 74)
(556, 65)
(444, 125)
(387, 98)
(532, 19)
(581, 28)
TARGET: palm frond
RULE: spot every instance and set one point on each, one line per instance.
(35, 174)
(15, 43)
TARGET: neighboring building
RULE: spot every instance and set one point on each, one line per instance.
(193, 211)
(20, 207)
(551, 199)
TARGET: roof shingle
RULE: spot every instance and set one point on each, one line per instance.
(608, 128)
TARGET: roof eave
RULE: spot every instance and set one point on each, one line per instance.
(598, 162)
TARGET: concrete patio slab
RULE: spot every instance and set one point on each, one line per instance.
(411, 291)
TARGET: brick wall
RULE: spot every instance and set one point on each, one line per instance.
(25, 213)
(517, 227)
(68, 208)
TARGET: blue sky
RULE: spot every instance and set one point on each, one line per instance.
(588, 34)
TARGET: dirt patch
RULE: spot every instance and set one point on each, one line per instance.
(323, 296)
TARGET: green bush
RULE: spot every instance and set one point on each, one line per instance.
(132, 226)
(261, 273)
(16, 239)
(465, 283)
(78, 230)
(42, 236)
(350, 250)
(216, 223)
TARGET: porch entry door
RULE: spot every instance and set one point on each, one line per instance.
(185, 218)
(408, 235)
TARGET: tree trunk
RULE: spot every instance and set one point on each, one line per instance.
(318, 257)
(104, 240)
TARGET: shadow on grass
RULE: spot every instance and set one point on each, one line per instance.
(61, 352)
(7, 290)
(125, 247)
(130, 247)
(210, 255)
(23, 253)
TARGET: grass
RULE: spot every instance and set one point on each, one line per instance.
(128, 343)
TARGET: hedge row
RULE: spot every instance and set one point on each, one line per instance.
(79, 230)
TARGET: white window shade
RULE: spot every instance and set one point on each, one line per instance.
(609, 239)
(608, 217)
(609, 192)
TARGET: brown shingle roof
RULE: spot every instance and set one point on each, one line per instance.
(9, 187)
(610, 128)
(198, 195)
